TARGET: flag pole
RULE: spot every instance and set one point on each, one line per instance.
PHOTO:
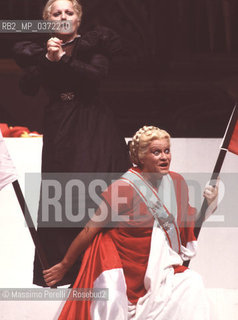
(39, 249)
(212, 182)
(30, 224)
(217, 168)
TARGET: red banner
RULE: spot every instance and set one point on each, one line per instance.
(233, 145)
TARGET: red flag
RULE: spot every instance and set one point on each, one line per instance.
(233, 145)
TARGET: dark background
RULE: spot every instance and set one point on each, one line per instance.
(179, 70)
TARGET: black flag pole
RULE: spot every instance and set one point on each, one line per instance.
(39, 250)
(217, 168)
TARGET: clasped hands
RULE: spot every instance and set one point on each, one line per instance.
(54, 49)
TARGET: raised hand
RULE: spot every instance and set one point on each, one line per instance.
(54, 49)
(211, 195)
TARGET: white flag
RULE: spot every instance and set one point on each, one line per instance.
(8, 172)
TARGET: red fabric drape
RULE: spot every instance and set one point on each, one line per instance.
(100, 256)
(233, 145)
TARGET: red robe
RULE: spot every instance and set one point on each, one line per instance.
(128, 245)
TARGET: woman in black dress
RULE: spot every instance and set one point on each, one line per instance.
(79, 132)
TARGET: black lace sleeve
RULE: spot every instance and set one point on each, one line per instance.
(27, 53)
(103, 40)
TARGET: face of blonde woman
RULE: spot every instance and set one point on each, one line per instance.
(63, 10)
(158, 157)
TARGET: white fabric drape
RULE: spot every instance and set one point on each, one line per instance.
(7, 169)
(169, 296)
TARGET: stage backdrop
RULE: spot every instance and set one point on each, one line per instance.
(178, 68)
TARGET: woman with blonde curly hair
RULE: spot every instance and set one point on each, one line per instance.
(139, 258)
(80, 134)
(47, 11)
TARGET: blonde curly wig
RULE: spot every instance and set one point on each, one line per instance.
(141, 141)
(76, 5)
